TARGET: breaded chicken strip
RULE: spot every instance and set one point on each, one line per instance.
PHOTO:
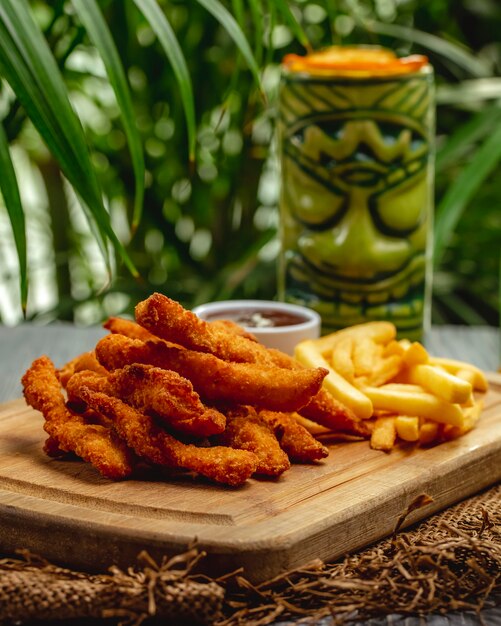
(230, 326)
(154, 390)
(67, 430)
(85, 361)
(216, 380)
(324, 409)
(224, 465)
(246, 431)
(300, 445)
(168, 320)
(129, 328)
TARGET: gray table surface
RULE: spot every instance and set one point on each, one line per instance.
(21, 344)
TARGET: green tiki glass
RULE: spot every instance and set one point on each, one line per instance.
(356, 140)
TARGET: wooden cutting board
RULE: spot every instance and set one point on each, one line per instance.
(66, 512)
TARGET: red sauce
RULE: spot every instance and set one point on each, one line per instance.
(259, 318)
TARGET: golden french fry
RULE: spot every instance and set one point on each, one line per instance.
(384, 434)
(422, 404)
(451, 365)
(308, 354)
(468, 375)
(312, 427)
(471, 417)
(385, 370)
(428, 433)
(407, 427)
(415, 354)
(404, 387)
(380, 332)
(394, 347)
(366, 353)
(342, 360)
(441, 383)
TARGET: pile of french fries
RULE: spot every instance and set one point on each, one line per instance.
(406, 393)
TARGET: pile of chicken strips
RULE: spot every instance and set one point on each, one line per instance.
(173, 392)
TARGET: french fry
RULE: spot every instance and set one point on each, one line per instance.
(342, 360)
(385, 370)
(414, 397)
(380, 332)
(468, 375)
(415, 354)
(407, 427)
(471, 417)
(312, 427)
(422, 404)
(455, 367)
(366, 353)
(307, 353)
(384, 434)
(393, 347)
(441, 383)
(428, 433)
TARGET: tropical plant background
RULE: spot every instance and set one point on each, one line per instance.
(184, 102)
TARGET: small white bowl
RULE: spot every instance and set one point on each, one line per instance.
(306, 326)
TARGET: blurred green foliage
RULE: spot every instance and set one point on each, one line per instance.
(208, 230)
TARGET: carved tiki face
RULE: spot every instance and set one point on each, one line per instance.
(356, 196)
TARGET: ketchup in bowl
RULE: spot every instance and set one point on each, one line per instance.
(275, 324)
(259, 318)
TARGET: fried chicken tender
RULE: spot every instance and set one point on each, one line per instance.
(85, 361)
(325, 410)
(68, 431)
(162, 392)
(224, 465)
(232, 327)
(246, 431)
(129, 328)
(300, 445)
(168, 320)
(52, 449)
(216, 380)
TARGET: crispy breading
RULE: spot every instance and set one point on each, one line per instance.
(324, 409)
(154, 390)
(230, 326)
(168, 320)
(85, 361)
(246, 431)
(67, 430)
(300, 445)
(225, 465)
(129, 328)
(216, 380)
(51, 448)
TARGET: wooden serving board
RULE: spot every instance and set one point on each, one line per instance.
(66, 512)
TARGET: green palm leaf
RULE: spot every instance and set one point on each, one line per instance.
(167, 38)
(226, 19)
(10, 192)
(460, 142)
(462, 191)
(294, 25)
(91, 17)
(458, 55)
(28, 65)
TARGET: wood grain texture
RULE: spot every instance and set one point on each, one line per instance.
(65, 511)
